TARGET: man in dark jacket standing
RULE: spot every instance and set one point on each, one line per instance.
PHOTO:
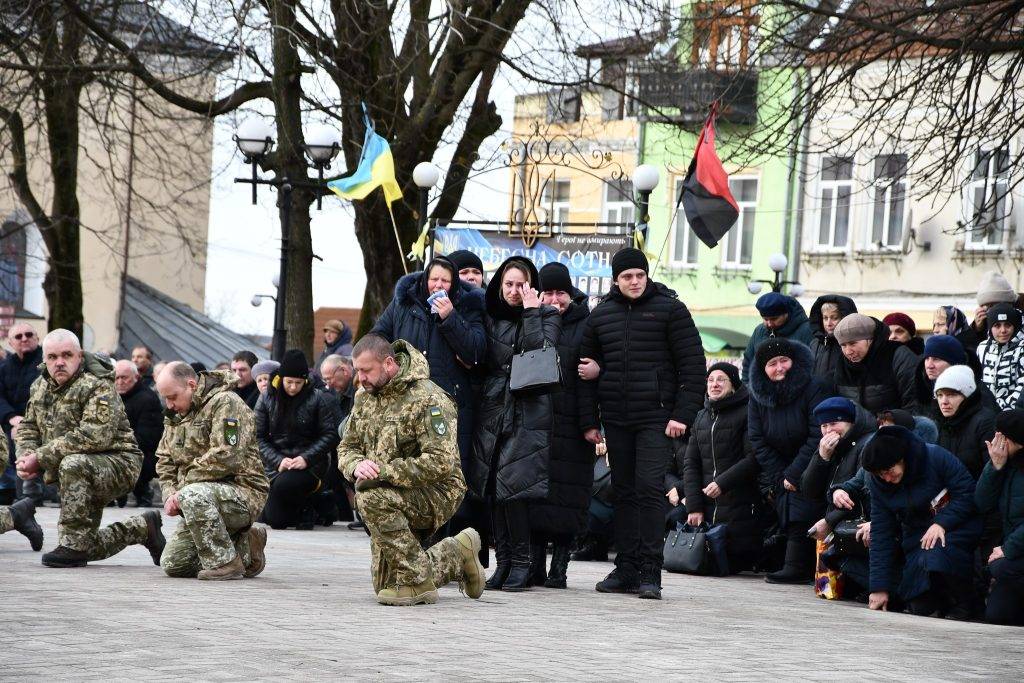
(649, 392)
(145, 415)
(246, 388)
(17, 373)
(337, 341)
(783, 316)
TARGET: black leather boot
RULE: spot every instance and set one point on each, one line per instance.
(519, 576)
(559, 566)
(798, 567)
(502, 560)
(538, 562)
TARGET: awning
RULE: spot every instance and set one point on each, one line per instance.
(712, 344)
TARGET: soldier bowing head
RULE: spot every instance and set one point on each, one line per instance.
(374, 362)
(176, 385)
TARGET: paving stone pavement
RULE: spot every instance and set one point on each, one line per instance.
(312, 616)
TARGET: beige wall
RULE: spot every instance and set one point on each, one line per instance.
(169, 206)
(910, 279)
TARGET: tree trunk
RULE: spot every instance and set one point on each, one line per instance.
(298, 311)
(382, 256)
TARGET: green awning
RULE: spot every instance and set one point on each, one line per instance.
(712, 343)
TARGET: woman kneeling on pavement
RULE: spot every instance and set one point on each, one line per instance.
(297, 430)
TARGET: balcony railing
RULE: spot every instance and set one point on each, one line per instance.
(687, 94)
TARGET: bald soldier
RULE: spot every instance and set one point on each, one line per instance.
(211, 475)
(75, 433)
(21, 516)
(400, 450)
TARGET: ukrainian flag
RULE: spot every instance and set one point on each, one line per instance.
(376, 169)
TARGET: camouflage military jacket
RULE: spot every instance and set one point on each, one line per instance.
(409, 428)
(214, 441)
(85, 415)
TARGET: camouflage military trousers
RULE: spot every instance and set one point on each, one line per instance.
(393, 516)
(213, 529)
(87, 483)
(6, 521)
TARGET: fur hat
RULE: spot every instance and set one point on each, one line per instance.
(959, 378)
(854, 327)
(995, 288)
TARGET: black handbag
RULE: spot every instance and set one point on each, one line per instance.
(844, 538)
(686, 550)
(535, 372)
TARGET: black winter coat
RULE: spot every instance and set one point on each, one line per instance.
(796, 328)
(822, 476)
(883, 379)
(784, 433)
(146, 416)
(1002, 492)
(512, 439)
(652, 361)
(964, 434)
(16, 377)
(824, 346)
(719, 451)
(312, 434)
(571, 464)
(459, 336)
(250, 393)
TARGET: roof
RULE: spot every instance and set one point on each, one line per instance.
(174, 331)
(637, 43)
(148, 30)
(349, 316)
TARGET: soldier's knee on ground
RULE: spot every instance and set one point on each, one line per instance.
(374, 501)
(177, 568)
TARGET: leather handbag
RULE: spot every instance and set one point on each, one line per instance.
(844, 537)
(686, 550)
(535, 372)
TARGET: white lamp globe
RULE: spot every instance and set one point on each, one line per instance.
(276, 280)
(645, 178)
(256, 300)
(425, 174)
(754, 287)
(255, 137)
(778, 262)
(796, 290)
(322, 142)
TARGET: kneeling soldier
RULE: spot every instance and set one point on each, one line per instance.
(76, 433)
(211, 474)
(400, 449)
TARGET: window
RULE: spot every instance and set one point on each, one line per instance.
(684, 240)
(835, 188)
(725, 35)
(889, 200)
(558, 204)
(618, 205)
(618, 97)
(739, 241)
(985, 205)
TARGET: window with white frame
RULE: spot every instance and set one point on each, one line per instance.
(889, 200)
(834, 190)
(617, 205)
(739, 241)
(985, 202)
(556, 198)
(684, 240)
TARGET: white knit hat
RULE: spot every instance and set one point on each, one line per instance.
(994, 289)
(958, 378)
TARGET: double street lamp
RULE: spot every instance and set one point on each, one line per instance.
(778, 263)
(255, 140)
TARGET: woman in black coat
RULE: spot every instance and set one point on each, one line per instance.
(875, 372)
(719, 468)
(563, 514)
(784, 435)
(964, 420)
(297, 432)
(512, 439)
(826, 312)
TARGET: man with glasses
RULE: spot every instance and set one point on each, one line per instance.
(17, 373)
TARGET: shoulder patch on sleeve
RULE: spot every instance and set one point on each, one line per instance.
(231, 430)
(437, 422)
(103, 408)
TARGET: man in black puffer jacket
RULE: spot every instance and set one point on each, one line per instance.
(649, 391)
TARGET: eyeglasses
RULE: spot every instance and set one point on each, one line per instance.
(24, 335)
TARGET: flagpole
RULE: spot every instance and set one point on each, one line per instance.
(398, 240)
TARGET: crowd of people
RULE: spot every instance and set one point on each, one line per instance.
(840, 445)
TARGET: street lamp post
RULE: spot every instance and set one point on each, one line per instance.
(425, 175)
(645, 179)
(778, 263)
(255, 139)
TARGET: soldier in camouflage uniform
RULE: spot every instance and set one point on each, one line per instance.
(211, 474)
(20, 517)
(76, 433)
(400, 449)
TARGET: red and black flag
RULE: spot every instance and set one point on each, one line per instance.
(709, 206)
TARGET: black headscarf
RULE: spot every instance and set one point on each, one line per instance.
(497, 307)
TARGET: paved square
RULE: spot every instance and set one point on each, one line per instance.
(312, 615)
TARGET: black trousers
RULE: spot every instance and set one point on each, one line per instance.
(1006, 600)
(290, 492)
(639, 458)
(142, 491)
(512, 532)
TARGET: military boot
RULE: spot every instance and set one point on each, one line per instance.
(155, 540)
(23, 514)
(424, 593)
(472, 582)
(257, 558)
(63, 557)
(227, 572)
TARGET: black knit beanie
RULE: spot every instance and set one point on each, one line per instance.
(887, 447)
(627, 258)
(294, 364)
(1011, 424)
(555, 276)
(730, 370)
(463, 258)
(770, 348)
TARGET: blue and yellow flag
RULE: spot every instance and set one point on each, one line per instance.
(376, 169)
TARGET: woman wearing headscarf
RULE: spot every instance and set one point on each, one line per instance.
(826, 312)
(952, 321)
(512, 440)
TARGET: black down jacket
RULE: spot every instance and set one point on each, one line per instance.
(785, 434)
(309, 429)
(883, 379)
(652, 360)
(16, 377)
(822, 476)
(964, 433)
(571, 465)
(145, 415)
(459, 337)
(719, 451)
(512, 439)
(824, 346)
